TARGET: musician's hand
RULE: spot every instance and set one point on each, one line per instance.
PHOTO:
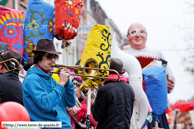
(59, 70)
(73, 111)
(170, 83)
(64, 76)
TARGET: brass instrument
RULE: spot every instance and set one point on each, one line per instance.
(78, 104)
(90, 69)
(13, 61)
(94, 94)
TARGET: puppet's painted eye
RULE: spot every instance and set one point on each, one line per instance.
(10, 31)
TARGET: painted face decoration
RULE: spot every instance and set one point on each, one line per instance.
(38, 25)
(67, 18)
(11, 28)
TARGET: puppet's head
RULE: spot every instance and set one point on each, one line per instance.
(11, 28)
(67, 18)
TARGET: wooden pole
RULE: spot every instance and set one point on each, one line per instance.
(88, 109)
(175, 120)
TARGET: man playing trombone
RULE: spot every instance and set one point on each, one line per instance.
(44, 98)
(10, 85)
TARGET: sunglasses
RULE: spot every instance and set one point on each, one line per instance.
(135, 31)
(77, 84)
(51, 56)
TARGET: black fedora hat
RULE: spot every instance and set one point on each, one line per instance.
(29, 63)
(117, 65)
(46, 45)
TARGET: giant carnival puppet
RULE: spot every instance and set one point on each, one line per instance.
(67, 19)
(38, 25)
(11, 28)
(45, 21)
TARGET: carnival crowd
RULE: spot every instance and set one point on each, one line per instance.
(49, 96)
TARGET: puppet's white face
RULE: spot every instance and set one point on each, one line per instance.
(137, 40)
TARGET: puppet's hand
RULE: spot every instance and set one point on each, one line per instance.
(170, 83)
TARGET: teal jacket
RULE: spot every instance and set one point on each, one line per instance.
(45, 99)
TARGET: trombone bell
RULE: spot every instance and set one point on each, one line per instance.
(91, 63)
(14, 64)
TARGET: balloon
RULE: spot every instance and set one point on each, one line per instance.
(13, 111)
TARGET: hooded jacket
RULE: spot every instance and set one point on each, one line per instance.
(45, 99)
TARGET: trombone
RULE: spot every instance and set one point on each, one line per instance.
(14, 64)
(90, 69)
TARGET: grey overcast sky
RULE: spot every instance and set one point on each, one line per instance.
(164, 20)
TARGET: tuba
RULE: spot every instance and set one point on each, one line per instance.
(133, 68)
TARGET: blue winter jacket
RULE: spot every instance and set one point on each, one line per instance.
(45, 99)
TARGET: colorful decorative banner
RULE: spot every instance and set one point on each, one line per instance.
(67, 18)
(98, 47)
(38, 25)
(11, 28)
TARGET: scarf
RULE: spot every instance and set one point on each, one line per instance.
(122, 78)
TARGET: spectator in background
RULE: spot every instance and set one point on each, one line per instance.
(29, 63)
(79, 112)
(137, 37)
(10, 85)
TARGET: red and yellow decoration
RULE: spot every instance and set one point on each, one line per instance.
(67, 18)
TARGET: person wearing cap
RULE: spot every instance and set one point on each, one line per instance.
(43, 97)
(29, 63)
(10, 85)
(113, 106)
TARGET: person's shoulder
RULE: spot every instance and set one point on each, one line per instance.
(106, 86)
(32, 76)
